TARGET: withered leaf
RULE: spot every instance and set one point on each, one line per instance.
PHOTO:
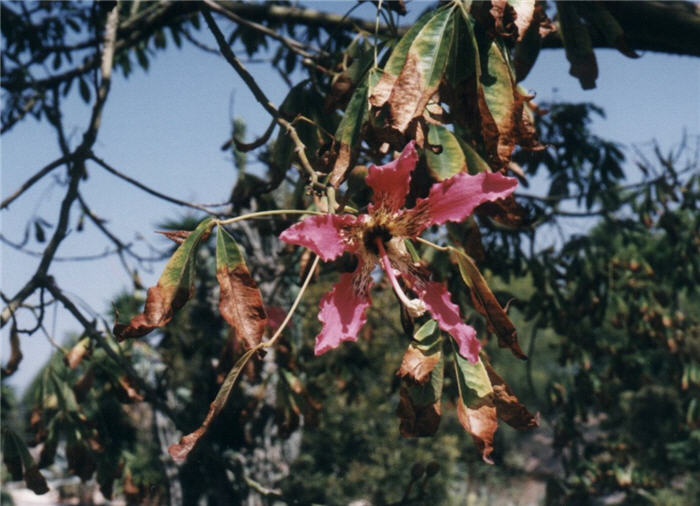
(379, 94)
(35, 481)
(509, 408)
(187, 443)
(130, 392)
(240, 302)
(417, 420)
(416, 365)
(481, 423)
(15, 353)
(174, 288)
(505, 211)
(76, 354)
(177, 236)
(80, 460)
(419, 409)
(422, 70)
(485, 302)
(499, 106)
(423, 354)
(475, 408)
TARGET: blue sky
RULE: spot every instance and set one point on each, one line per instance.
(165, 128)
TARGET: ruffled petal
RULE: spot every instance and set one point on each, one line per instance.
(390, 182)
(342, 314)
(455, 198)
(321, 234)
(438, 302)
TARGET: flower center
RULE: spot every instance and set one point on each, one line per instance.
(415, 307)
(370, 236)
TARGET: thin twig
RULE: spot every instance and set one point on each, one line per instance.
(36, 177)
(293, 45)
(259, 95)
(147, 189)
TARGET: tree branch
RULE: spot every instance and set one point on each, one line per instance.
(36, 177)
(260, 95)
(147, 189)
(665, 27)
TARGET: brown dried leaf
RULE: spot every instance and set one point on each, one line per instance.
(417, 365)
(130, 390)
(177, 236)
(417, 421)
(15, 353)
(509, 408)
(481, 422)
(76, 354)
(173, 290)
(485, 302)
(505, 211)
(240, 302)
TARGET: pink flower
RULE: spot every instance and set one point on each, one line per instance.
(378, 238)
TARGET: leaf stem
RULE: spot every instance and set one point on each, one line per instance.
(433, 245)
(278, 332)
(261, 214)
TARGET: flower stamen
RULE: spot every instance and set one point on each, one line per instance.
(415, 307)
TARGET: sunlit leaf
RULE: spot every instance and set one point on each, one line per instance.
(476, 413)
(422, 356)
(379, 94)
(421, 73)
(174, 288)
(240, 302)
(443, 153)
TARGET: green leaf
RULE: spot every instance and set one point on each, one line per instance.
(240, 302)
(475, 163)
(425, 331)
(473, 378)
(174, 288)
(348, 132)
(449, 160)
(398, 54)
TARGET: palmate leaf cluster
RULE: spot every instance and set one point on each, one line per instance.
(618, 385)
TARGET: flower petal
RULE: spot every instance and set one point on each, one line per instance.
(446, 313)
(342, 314)
(321, 234)
(390, 181)
(455, 198)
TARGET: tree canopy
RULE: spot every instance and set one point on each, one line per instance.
(392, 220)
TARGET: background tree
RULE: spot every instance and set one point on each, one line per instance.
(449, 82)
